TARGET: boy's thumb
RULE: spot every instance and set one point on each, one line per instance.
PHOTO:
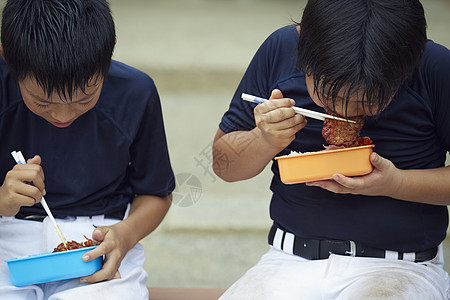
(99, 234)
(377, 161)
(276, 94)
(35, 160)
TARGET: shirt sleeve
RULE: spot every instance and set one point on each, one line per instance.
(258, 79)
(150, 169)
(437, 72)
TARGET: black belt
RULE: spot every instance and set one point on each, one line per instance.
(119, 215)
(321, 249)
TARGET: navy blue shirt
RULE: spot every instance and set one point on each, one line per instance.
(101, 161)
(413, 133)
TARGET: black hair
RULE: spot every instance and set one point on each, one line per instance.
(62, 44)
(366, 46)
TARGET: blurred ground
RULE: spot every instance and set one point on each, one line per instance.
(196, 51)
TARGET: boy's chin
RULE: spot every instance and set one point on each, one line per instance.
(62, 125)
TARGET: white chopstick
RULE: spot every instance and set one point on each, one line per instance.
(18, 157)
(306, 112)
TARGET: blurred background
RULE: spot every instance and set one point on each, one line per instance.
(197, 51)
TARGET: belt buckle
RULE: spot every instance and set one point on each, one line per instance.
(352, 251)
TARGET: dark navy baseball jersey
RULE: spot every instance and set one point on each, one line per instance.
(413, 133)
(98, 164)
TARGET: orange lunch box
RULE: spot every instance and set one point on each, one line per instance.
(321, 165)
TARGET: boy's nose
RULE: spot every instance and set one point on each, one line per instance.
(63, 113)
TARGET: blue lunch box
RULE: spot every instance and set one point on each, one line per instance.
(46, 267)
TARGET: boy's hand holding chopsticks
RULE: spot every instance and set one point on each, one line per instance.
(277, 122)
(16, 190)
(20, 160)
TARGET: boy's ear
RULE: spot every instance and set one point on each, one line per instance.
(1, 52)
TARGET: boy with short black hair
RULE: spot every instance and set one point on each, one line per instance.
(374, 236)
(94, 127)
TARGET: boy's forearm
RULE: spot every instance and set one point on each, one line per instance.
(241, 155)
(431, 186)
(146, 213)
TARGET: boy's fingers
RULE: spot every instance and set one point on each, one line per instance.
(29, 169)
(108, 272)
(35, 160)
(23, 199)
(279, 115)
(274, 104)
(379, 162)
(276, 101)
(292, 122)
(32, 175)
(100, 275)
(93, 254)
(99, 233)
(30, 193)
(276, 94)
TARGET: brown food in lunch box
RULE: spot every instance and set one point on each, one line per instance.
(74, 245)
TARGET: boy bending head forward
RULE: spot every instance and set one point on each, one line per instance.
(373, 236)
(94, 127)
